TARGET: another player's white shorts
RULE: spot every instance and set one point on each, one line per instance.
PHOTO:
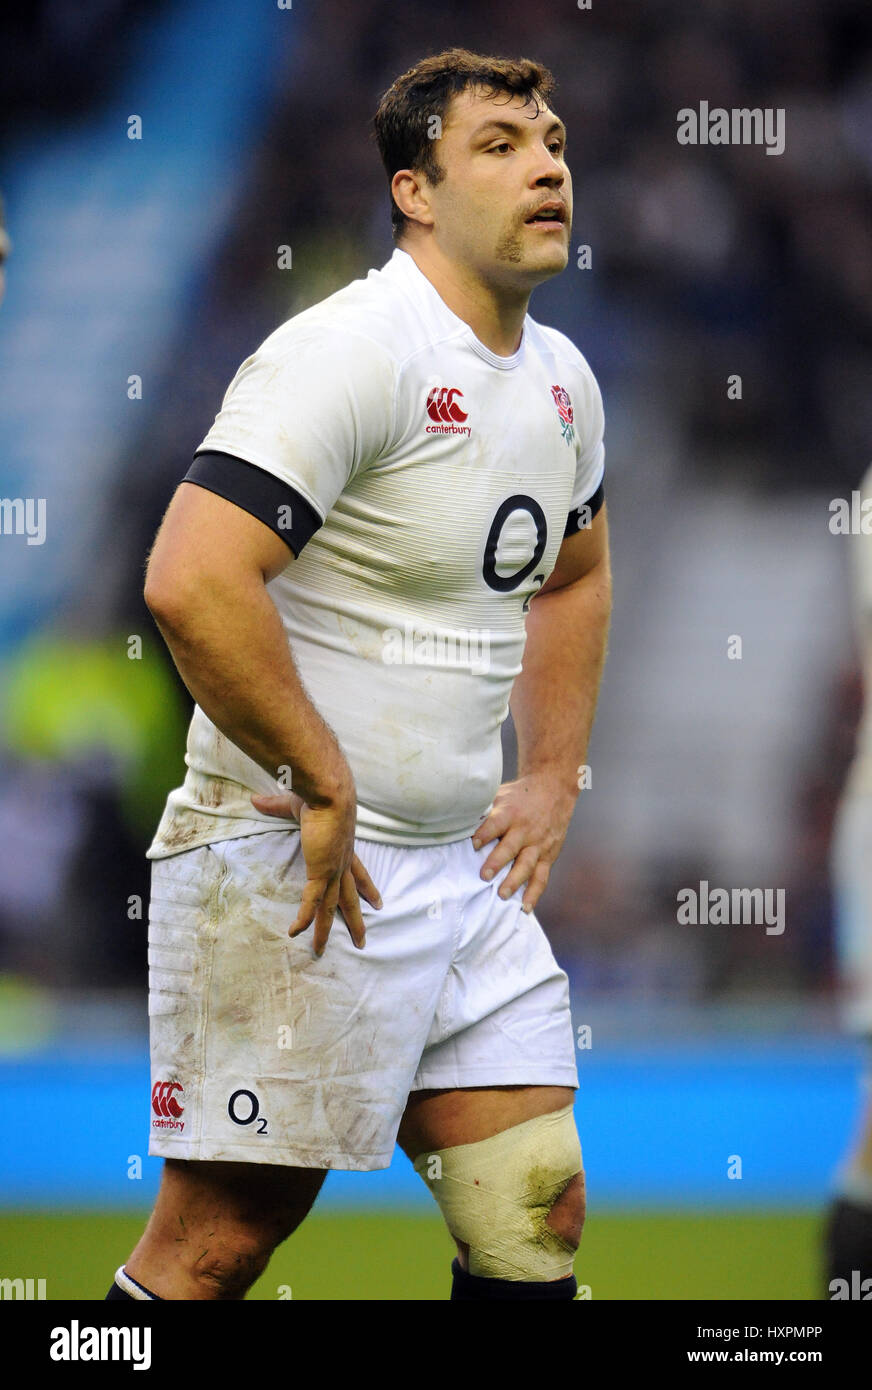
(263, 1053)
(852, 881)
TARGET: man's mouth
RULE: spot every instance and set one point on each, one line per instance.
(552, 214)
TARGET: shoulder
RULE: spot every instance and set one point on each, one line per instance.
(571, 376)
(550, 343)
(369, 325)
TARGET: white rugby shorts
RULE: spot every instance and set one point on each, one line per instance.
(263, 1053)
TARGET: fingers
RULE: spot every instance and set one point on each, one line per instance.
(312, 895)
(509, 846)
(490, 829)
(536, 886)
(324, 919)
(365, 885)
(319, 905)
(286, 805)
(349, 906)
(532, 865)
(520, 871)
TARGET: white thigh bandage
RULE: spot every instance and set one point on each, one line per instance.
(495, 1196)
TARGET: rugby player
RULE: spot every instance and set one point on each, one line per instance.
(402, 487)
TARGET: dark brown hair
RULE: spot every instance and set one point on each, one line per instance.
(402, 122)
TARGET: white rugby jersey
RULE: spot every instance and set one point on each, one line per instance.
(423, 485)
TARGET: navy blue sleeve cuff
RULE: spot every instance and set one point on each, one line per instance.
(278, 505)
(580, 518)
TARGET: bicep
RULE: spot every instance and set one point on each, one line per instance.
(202, 533)
(580, 553)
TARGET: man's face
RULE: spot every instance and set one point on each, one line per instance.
(503, 160)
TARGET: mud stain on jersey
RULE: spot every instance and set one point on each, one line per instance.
(213, 792)
(182, 833)
(189, 827)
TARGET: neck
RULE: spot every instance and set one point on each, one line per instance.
(494, 312)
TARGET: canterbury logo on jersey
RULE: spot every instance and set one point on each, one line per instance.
(165, 1105)
(443, 408)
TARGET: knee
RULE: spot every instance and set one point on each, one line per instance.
(515, 1202)
(230, 1263)
(566, 1217)
(561, 1226)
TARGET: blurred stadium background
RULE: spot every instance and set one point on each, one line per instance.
(157, 259)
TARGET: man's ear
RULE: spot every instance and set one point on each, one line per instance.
(410, 191)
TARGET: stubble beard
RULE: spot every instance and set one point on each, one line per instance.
(509, 249)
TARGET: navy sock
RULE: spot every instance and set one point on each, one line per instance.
(468, 1287)
(848, 1240)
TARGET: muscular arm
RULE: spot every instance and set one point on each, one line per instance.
(206, 588)
(554, 698)
(553, 704)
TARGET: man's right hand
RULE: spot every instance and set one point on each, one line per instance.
(335, 877)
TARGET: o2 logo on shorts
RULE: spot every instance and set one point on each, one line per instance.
(243, 1108)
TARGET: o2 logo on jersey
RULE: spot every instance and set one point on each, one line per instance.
(505, 583)
(443, 408)
(243, 1108)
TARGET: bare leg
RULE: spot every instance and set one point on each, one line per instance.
(215, 1226)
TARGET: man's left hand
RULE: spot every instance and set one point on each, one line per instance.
(529, 821)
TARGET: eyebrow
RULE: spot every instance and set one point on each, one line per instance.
(515, 128)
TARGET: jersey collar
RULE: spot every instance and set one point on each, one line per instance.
(405, 268)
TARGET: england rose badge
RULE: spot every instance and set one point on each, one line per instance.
(564, 410)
